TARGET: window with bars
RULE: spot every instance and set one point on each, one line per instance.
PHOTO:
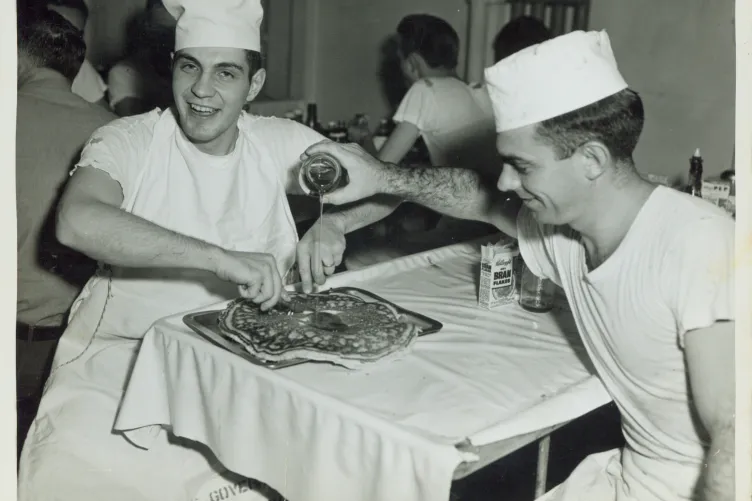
(487, 17)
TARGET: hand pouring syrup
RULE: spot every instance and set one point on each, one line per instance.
(321, 174)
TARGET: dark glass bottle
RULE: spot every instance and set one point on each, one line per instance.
(312, 118)
(695, 175)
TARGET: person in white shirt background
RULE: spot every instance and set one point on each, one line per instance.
(88, 83)
(454, 119)
(648, 271)
(180, 207)
(448, 114)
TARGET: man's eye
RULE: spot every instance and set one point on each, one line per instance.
(516, 167)
(188, 67)
(226, 75)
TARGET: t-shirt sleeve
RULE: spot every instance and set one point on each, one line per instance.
(118, 149)
(535, 241)
(698, 275)
(418, 106)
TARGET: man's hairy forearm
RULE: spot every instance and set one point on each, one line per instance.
(367, 212)
(719, 479)
(113, 236)
(459, 193)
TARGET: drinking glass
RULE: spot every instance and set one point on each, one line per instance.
(536, 293)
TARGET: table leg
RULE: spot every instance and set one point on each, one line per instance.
(541, 475)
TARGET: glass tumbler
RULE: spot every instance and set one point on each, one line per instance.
(536, 294)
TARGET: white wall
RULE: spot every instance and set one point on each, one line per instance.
(679, 55)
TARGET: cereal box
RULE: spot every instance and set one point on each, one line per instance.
(500, 272)
(718, 192)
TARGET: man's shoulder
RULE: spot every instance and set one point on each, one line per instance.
(676, 212)
(442, 86)
(273, 128)
(132, 125)
(65, 109)
(675, 226)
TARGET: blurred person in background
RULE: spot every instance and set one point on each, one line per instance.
(143, 80)
(457, 129)
(52, 125)
(88, 83)
(518, 34)
(454, 118)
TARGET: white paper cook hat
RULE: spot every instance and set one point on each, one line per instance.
(552, 78)
(217, 23)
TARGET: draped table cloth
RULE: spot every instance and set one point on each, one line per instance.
(397, 430)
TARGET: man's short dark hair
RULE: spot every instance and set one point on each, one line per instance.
(50, 41)
(431, 37)
(616, 121)
(518, 34)
(255, 62)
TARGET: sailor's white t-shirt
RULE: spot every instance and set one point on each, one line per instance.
(672, 273)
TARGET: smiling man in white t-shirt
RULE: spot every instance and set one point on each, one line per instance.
(648, 271)
(181, 207)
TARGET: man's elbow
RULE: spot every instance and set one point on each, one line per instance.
(503, 214)
(69, 225)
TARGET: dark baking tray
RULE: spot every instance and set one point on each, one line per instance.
(205, 324)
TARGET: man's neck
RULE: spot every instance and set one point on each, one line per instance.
(612, 209)
(46, 76)
(438, 72)
(221, 146)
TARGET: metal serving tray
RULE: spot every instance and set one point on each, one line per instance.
(205, 324)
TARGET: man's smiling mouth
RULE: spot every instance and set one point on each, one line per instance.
(204, 111)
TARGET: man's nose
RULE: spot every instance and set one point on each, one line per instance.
(203, 87)
(509, 180)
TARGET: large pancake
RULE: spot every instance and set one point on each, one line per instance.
(374, 331)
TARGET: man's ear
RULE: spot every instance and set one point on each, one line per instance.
(257, 82)
(595, 159)
(416, 63)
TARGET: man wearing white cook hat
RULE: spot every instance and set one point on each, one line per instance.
(181, 207)
(647, 270)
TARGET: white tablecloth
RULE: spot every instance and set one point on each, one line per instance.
(317, 432)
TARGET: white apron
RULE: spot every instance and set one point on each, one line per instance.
(71, 453)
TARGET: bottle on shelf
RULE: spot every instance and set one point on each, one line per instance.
(694, 187)
(312, 119)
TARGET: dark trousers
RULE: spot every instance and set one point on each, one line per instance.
(35, 348)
